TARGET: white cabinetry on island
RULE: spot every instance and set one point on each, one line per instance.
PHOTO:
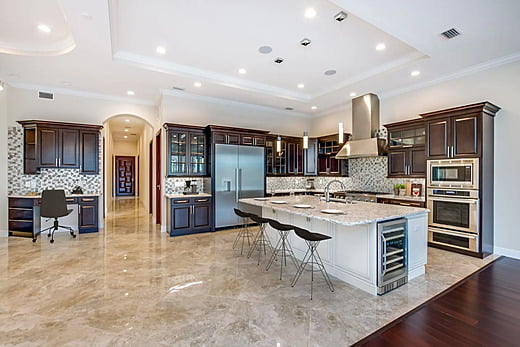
(351, 255)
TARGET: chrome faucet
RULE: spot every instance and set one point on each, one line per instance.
(327, 189)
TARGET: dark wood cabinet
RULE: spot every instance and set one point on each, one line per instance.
(402, 202)
(328, 165)
(288, 160)
(88, 214)
(187, 150)
(310, 158)
(190, 215)
(294, 147)
(237, 136)
(60, 145)
(406, 156)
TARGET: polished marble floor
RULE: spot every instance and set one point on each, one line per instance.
(132, 285)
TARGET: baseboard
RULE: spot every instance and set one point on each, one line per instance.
(4, 233)
(508, 252)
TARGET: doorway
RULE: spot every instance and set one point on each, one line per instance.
(125, 175)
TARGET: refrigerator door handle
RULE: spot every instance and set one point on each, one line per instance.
(236, 184)
(239, 183)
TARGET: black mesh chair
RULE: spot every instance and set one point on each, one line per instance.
(312, 256)
(244, 232)
(54, 205)
(283, 249)
(261, 241)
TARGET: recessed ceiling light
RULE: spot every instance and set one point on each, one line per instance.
(130, 92)
(160, 50)
(125, 137)
(314, 107)
(310, 13)
(126, 129)
(127, 120)
(86, 15)
(415, 73)
(289, 108)
(330, 72)
(45, 28)
(66, 83)
(301, 85)
(265, 49)
(242, 71)
(353, 94)
(380, 47)
(197, 84)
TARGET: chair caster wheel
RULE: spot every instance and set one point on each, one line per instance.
(34, 240)
(52, 241)
(73, 236)
(48, 235)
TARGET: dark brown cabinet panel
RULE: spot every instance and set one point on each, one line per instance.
(68, 148)
(437, 138)
(88, 215)
(406, 156)
(237, 136)
(190, 215)
(48, 147)
(89, 145)
(417, 162)
(465, 136)
(397, 163)
(187, 151)
(421, 204)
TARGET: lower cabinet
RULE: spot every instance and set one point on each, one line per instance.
(190, 215)
(88, 214)
(403, 202)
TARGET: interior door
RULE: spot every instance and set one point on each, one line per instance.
(158, 195)
(251, 172)
(125, 176)
(226, 174)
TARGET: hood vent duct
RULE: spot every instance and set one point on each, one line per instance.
(365, 127)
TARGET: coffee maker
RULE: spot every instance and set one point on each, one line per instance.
(191, 188)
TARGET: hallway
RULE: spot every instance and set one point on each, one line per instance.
(132, 285)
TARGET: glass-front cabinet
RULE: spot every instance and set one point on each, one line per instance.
(186, 151)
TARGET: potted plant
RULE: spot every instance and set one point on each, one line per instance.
(396, 188)
(402, 189)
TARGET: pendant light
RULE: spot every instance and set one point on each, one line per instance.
(278, 144)
(340, 132)
(305, 140)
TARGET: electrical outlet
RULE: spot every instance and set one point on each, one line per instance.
(27, 184)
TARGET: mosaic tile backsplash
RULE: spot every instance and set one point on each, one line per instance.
(176, 184)
(21, 184)
(366, 174)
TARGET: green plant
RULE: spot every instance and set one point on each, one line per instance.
(397, 186)
(402, 186)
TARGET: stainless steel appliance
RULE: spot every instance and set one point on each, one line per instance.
(392, 250)
(354, 195)
(453, 173)
(454, 218)
(239, 173)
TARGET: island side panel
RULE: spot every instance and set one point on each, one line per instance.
(417, 245)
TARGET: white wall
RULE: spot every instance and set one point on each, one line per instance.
(126, 148)
(3, 162)
(498, 85)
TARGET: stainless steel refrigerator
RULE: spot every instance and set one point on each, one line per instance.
(239, 173)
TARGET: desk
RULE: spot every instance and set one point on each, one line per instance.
(25, 221)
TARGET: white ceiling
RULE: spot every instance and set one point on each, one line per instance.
(126, 125)
(109, 47)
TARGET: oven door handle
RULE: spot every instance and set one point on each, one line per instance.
(461, 200)
(454, 234)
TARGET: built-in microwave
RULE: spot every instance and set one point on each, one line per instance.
(453, 173)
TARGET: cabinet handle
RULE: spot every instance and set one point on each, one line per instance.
(56, 161)
(181, 201)
(202, 200)
(405, 204)
(59, 161)
(87, 199)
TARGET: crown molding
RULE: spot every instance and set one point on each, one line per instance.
(81, 93)
(222, 101)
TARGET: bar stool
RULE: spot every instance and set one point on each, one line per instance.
(261, 239)
(244, 232)
(283, 247)
(312, 256)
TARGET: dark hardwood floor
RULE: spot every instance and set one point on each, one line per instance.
(482, 310)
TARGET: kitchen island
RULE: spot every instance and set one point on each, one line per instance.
(352, 253)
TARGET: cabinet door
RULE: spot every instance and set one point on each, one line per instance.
(177, 153)
(88, 215)
(311, 158)
(197, 154)
(180, 219)
(269, 156)
(397, 163)
(291, 157)
(201, 217)
(89, 145)
(417, 162)
(437, 134)
(69, 148)
(465, 136)
(48, 147)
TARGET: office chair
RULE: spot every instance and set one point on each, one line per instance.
(54, 205)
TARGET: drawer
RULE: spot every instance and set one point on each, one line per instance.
(71, 200)
(181, 201)
(19, 225)
(21, 202)
(21, 213)
(87, 199)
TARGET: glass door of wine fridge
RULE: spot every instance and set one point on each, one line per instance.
(392, 246)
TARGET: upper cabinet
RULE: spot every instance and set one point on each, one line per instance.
(187, 150)
(60, 145)
(406, 156)
(286, 158)
(457, 132)
(328, 147)
(237, 136)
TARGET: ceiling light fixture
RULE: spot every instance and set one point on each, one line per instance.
(314, 107)
(305, 140)
(380, 47)
(130, 92)
(340, 132)
(310, 13)
(197, 84)
(415, 73)
(278, 144)
(353, 94)
(45, 28)
(265, 49)
(242, 71)
(160, 50)
(301, 85)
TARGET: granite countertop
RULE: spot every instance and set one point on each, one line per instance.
(177, 195)
(356, 213)
(299, 190)
(403, 197)
(39, 196)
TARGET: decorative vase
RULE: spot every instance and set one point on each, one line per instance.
(402, 191)
(396, 191)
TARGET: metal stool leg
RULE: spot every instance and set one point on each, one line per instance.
(261, 241)
(242, 235)
(282, 249)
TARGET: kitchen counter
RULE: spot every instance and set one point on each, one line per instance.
(179, 196)
(39, 196)
(296, 191)
(402, 197)
(352, 252)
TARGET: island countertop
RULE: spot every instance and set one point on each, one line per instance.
(352, 214)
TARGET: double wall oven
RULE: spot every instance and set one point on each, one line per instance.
(453, 201)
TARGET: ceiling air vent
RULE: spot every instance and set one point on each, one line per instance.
(450, 33)
(278, 60)
(45, 95)
(341, 16)
(178, 88)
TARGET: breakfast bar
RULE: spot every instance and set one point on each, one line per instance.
(352, 253)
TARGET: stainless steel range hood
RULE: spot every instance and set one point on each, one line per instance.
(365, 126)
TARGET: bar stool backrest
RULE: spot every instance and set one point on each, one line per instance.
(279, 226)
(307, 235)
(258, 219)
(242, 213)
